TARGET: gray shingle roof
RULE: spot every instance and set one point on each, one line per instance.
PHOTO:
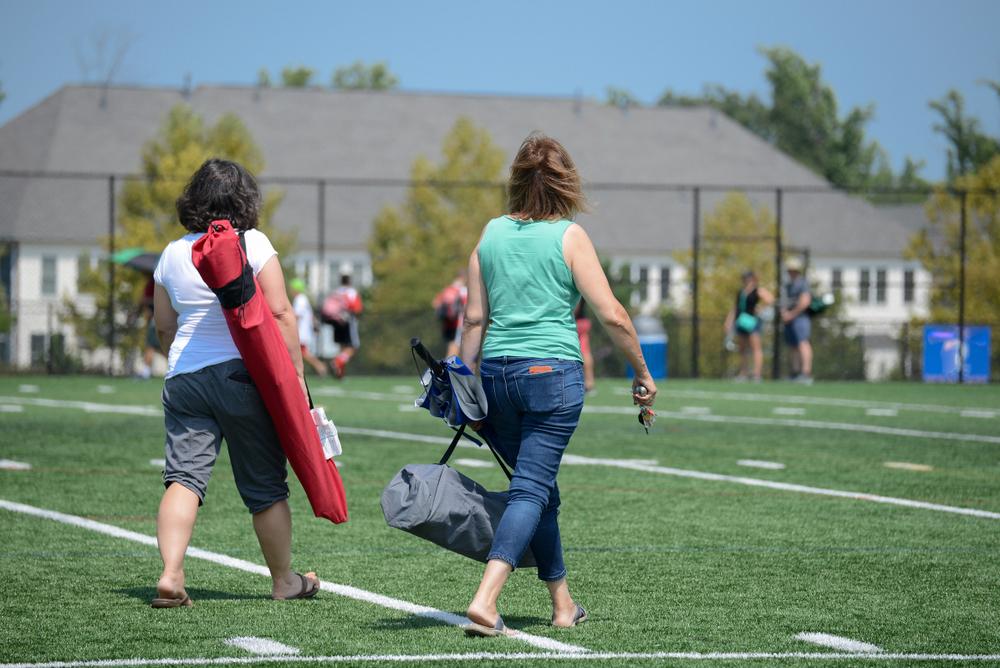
(358, 134)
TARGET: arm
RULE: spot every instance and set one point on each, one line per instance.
(800, 307)
(477, 315)
(164, 317)
(766, 297)
(730, 318)
(593, 286)
(272, 284)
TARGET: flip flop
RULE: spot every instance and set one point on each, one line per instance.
(309, 589)
(182, 602)
(482, 631)
(578, 618)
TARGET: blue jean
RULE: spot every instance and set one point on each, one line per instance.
(534, 407)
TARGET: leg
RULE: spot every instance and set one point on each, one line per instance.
(174, 526)
(806, 355)
(741, 343)
(758, 355)
(483, 609)
(273, 527)
(313, 361)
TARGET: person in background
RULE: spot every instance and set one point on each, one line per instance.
(744, 321)
(526, 275)
(583, 325)
(797, 325)
(448, 305)
(208, 394)
(152, 343)
(345, 327)
(307, 330)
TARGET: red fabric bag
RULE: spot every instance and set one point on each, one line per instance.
(220, 258)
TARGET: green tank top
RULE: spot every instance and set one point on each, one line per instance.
(530, 288)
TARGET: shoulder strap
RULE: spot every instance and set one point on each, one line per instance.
(459, 433)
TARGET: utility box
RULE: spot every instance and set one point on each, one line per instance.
(943, 356)
(653, 341)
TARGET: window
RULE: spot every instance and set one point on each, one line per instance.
(48, 275)
(880, 286)
(643, 283)
(865, 287)
(908, 286)
(664, 284)
(837, 280)
(37, 350)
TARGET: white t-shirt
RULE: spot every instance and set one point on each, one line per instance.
(304, 315)
(203, 337)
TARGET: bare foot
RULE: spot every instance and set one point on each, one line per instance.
(171, 585)
(291, 586)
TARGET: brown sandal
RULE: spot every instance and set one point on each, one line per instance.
(309, 589)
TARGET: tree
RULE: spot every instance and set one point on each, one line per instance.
(937, 247)
(802, 120)
(736, 237)
(147, 217)
(263, 78)
(417, 247)
(358, 76)
(620, 97)
(3, 95)
(296, 77)
(970, 149)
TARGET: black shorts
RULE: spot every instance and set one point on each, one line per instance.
(346, 333)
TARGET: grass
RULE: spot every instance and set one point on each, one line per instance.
(663, 563)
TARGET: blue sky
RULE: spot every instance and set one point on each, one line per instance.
(896, 54)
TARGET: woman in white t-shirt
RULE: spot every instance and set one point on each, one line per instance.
(208, 394)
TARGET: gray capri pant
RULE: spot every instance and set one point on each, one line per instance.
(220, 401)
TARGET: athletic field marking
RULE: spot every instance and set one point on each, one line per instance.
(881, 412)
(406, 389)
(817, 401)
(158, 462)
(11, 465)
(880, 657)
(907, 466)
(27, 389)
(788, 410)
(359, 394)
(788, 487)
(691, 410)
(88, 406)
(105, 389)
(475, 463)
(152, 411)
(761, 464)
(262, 646)
(408, 408)
(346, 591)
(11, 408)
(805, 424)
(970, 413)
(839, 643)
(645, 466)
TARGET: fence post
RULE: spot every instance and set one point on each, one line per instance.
(321, 236)
(48, 335)
(778, 252)
(961, 289)
(111, 275)
(696, 251)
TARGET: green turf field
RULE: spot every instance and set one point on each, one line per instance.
(665, 558)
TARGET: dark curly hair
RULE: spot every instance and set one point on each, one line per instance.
(220, 189)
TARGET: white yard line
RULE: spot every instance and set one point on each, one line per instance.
(804, 424)
(158, 462)
(11, 408)
(788, 410)
(239, 564)
(27, 389)
(761, 464)
(517, 656)
(839, 643)
(977, 413)
(881, 412)
(262, 646)
(475, 463)
(693, 410)
(152, 411)
(11, 465)
(816, 401)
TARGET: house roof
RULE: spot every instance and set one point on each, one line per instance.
(318, 133)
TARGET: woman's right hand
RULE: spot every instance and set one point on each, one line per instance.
(649, 397)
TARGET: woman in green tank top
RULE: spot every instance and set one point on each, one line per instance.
(525, 277)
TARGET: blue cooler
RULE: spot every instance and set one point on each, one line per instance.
(653, 342)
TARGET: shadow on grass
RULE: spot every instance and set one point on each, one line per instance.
(420, 622)
(147, 594)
